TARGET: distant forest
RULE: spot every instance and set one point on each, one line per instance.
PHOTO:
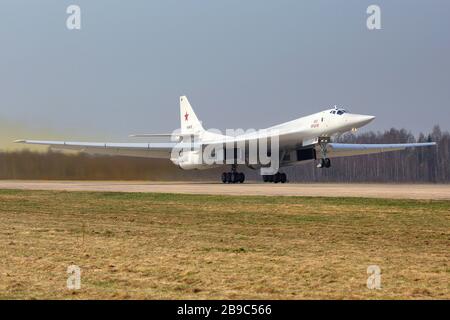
(422, 165)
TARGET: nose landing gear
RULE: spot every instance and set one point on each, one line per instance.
(324, 162)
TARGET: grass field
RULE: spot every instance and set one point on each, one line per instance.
(153, 246)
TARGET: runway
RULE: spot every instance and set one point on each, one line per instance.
(392, 191)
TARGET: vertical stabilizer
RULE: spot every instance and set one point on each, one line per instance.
(189, 121)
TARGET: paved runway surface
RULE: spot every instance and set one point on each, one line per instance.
(330, 189)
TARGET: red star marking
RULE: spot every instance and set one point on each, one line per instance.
(186, 117)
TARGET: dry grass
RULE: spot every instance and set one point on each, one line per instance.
(152, 246)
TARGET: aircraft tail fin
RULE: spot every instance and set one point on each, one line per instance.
(189, 121)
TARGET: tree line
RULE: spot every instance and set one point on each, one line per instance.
(421, 165)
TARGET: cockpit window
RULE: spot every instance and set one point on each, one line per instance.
(338, 111)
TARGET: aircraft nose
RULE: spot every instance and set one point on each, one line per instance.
(366, 119)
(359, 120)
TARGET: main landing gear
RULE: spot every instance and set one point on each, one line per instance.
(275, 178)
(233, 176)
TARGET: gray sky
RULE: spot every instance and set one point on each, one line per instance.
(243, 64)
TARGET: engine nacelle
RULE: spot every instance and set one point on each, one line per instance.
(189, 160)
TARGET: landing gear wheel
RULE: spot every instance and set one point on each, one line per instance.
(276, 177)
(229, 177)
(236, 177)
(241, 177)
(324, 163)
(224, 177)
(321, 163)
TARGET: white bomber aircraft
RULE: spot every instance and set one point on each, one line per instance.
(304, 139)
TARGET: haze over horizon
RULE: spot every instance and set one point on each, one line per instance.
(241, 64)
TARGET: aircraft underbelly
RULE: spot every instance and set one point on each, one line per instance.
(295, 140)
